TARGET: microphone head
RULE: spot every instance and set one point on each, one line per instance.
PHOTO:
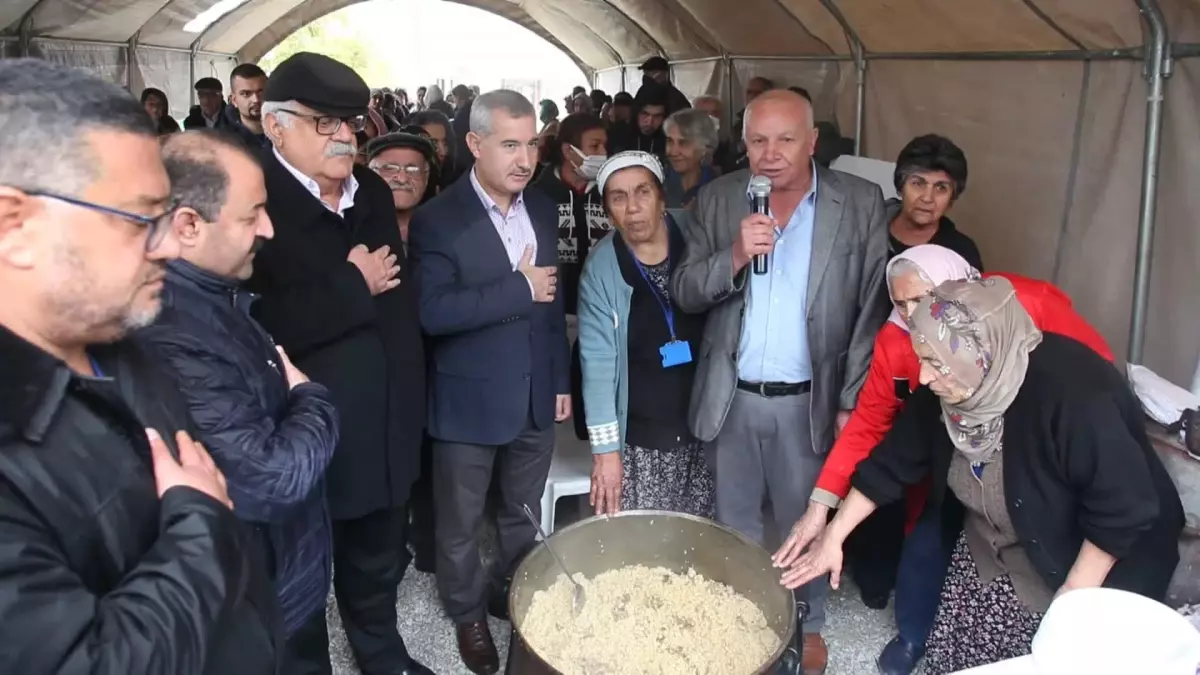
(760, 186)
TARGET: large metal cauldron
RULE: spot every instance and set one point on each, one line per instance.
(664, 539)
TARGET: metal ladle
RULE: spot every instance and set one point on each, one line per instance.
(579, 597)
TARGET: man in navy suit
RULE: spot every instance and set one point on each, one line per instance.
(486, 260)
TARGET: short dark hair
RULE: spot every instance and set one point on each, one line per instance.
(246, 71)
(623, 98)
(571, 131)
(803, 92)
(209, 84)
(150, 92)
(932, 152)
(767, 82)
(45, 111)
(425, 117)
(198, 179)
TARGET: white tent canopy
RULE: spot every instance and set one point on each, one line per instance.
(1051, 99)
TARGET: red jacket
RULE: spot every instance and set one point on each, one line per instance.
(895, 370)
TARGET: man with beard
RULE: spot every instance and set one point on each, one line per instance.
(486, 256)
(405, 161)
(270, 430)
(336, 295)
(246, 84)
(120, 550)
(645, 133)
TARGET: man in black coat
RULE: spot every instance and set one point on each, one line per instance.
(486, 261)
(211, 112)
(336, 294)
(270, 430)
(119, 552)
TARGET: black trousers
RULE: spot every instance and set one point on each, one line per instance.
(462, 474)
(369, 560)
(420, 507)
(873, 551)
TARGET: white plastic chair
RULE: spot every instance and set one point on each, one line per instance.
(875, 170)
(570, 472)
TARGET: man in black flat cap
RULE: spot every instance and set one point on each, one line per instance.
(211, 112)
(657, 71)
(336, 295)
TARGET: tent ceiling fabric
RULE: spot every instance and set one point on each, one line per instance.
(601, 34)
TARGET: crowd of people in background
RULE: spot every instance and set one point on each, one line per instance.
(323, 332)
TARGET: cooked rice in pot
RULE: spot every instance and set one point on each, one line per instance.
(639, 620)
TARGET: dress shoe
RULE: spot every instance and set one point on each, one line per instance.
(816, 654)
(476, 648)
(415, 667)
(899, 657)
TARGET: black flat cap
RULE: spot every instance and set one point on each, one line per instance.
(208, 84)
(326, 85)
(400, 139)
(655, 63)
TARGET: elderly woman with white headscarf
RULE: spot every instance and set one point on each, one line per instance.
(692, 140)
(1041, 468)
(637, 351)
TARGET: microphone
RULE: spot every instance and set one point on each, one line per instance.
(760, 191)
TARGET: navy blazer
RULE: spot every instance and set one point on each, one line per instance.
(496, 357)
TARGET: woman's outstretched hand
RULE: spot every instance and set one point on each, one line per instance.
(806, 530)
(824, 556)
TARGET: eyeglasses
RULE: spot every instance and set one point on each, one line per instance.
(328, 125)
(410, 170)
(156, 226)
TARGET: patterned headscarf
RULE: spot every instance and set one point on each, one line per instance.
(937, 265)
(982, 336)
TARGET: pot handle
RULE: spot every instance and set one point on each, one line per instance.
(793, 660)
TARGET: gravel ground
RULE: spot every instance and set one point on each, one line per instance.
(854, 632)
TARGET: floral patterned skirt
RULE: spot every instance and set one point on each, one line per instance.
(977, 624)
(675, 479)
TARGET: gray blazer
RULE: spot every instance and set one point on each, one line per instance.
(846, 301)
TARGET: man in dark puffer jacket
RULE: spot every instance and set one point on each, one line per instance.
(270, 430)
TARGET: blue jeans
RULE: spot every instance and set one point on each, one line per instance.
(923, 565)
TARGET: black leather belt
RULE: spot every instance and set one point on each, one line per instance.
(773, 389)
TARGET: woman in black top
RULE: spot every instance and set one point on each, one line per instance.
(637, 351)
(1041, 467)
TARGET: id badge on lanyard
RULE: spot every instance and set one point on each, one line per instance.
(675, 352)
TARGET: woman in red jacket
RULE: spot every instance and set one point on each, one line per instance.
(893, 374)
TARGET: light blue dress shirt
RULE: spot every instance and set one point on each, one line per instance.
(774, 343)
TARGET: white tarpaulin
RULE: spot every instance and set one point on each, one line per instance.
(1054, 142)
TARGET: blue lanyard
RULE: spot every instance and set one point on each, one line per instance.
(95, 366)
(668, 311)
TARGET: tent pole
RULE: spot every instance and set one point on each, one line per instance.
(1157, 69)
(131, 61)
(860, 70)
(860, 96)
(192, 74)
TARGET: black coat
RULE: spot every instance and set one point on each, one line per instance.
(366, 349)
(272, 444)
(497, 357)
(97, 573)
(1077, 465)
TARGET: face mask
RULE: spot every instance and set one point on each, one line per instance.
(589, 166)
